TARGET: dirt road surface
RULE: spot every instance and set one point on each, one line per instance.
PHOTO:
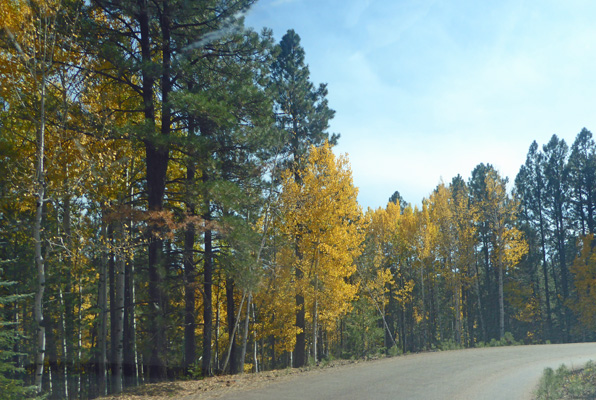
(490, 373)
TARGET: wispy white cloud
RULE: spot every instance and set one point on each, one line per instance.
(425, 90)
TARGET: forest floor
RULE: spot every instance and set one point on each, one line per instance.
(219, 385)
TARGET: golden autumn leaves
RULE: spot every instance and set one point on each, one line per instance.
(321, 226)
(381, 255)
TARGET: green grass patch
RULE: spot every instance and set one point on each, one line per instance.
(568, 384)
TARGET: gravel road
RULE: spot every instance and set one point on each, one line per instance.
(491, 373)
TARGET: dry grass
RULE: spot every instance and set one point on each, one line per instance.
(216, 386)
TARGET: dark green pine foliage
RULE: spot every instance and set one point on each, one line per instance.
(487, 273)
(11, 382)
(189, 59)
(364, 334)
(558, 207)
(531, 191)
(397, 199)
(302, 116)
(582, 178)
(302, 110)
(223, 108)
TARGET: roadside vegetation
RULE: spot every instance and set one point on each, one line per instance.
(568, 384)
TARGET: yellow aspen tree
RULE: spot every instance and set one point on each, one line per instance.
(509, 245)
(375, 277)
(323, 212)
(30, 29)
(464, 234)
(425, 243)
(443, 217)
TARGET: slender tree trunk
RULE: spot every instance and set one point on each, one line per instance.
(234, 330)
(315, 328)
(65, 350)
(299, 356)
(189, 295)
(216, 362)
(130, 374)
(69, 308)
(245, 338)
(500, 270)
(300, 347)
(564, 271)
(102, 328)
(207, 300)
(190, 281)
(129, 367)
(231, 314)
(118, 322)
(255, 341)
(458, 321)
(37, 227)
(79, 368)
(112, 300)
(549, 321)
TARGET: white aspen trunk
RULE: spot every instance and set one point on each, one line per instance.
(457, 298)
(254, 333)
(234, 332)
(132, 309)
(314, 330)
(134, 329)
(80, 337)
(65, 352)
(245, 338)
(217, 362)
(479, 303)
(103, 327)
(119, 313)
(39, 261)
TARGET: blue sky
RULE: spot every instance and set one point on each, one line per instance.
(425, 90)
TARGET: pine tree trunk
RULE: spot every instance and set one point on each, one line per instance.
(549, 321)
(156, 158)
(501, 267)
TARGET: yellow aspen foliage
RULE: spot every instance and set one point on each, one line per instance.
(275, 301)
(381, 232)
(584, 276)
(321, 210)
(509, 244)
